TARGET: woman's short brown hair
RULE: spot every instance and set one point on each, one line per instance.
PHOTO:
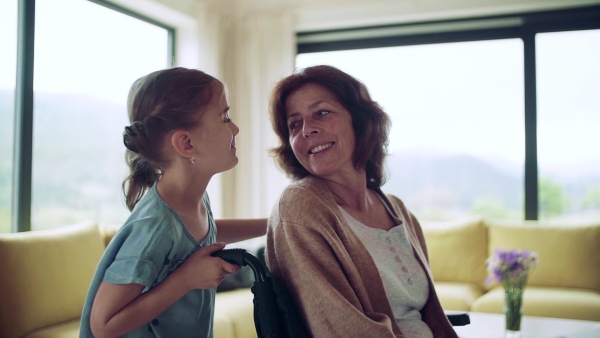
(370, 123)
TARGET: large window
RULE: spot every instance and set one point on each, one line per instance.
(456, 145)
(8, 62)
(86, 57)
(568, 66)
(473, 132)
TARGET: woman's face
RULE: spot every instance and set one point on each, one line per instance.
(321, 133)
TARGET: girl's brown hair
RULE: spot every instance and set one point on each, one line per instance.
(370, 123)
(159, 104)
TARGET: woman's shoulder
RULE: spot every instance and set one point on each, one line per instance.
(395, 200)
(398, 205)
(401, 208)
(305, 187)
(305, 199)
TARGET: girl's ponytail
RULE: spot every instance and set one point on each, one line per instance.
(142, 176)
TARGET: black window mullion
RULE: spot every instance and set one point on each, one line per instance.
(410, 40)
(23, 147)
(171, 59)
(531, 165)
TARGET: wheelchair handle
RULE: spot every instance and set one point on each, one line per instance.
(242, 257)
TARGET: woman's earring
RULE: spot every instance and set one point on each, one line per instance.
(193, 160)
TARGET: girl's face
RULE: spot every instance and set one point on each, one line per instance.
(321, 133)
(215, 137)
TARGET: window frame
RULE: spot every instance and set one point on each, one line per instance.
(23, 113)
(524, 26)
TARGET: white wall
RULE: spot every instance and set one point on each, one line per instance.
(260, 51)
(381, 12)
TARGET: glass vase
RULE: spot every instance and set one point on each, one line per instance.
(513, 309)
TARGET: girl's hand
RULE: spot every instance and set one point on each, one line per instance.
(202, 271)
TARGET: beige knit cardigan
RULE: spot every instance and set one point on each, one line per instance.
(330, 274)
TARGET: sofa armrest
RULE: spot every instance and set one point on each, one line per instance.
(45, 275)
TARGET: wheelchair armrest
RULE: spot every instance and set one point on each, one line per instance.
(458, 318)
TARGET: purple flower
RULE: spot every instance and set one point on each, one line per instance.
(510, 266)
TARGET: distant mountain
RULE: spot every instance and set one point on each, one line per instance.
(78, 147)
(459, 182)
(467, 177)
(68, 119)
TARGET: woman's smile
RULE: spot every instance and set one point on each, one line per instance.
(321, 148)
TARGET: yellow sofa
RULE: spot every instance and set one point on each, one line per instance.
(566, 283)
(44, 275)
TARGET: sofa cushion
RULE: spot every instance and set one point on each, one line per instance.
(457, 250)
(569, 255)
(44, 276)
(222, 326)
(108, 231)
(546, 302)
(238, 307)
(68, 329)
(457, 296)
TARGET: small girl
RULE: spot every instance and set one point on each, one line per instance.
(156, 277)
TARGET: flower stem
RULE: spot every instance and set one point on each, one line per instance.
(513, 291)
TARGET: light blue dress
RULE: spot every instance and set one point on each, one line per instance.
(149, 246)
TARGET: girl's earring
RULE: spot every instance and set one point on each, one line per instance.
(193, 160)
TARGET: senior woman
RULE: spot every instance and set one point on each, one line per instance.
(353, 258)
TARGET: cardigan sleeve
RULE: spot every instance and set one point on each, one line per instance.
(310, 262)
